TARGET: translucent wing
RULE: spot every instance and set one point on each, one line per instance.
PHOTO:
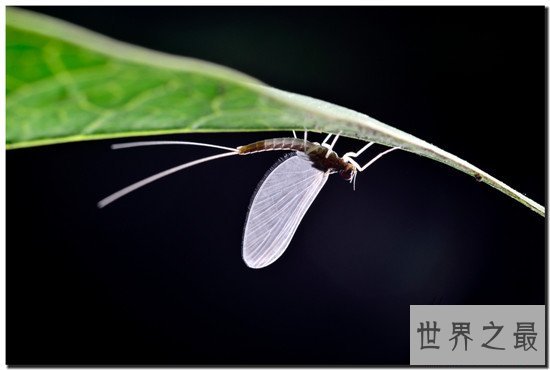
(278, 206)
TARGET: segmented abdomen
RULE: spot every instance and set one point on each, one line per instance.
(287, 143)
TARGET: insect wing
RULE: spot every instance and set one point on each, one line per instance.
(277, 207)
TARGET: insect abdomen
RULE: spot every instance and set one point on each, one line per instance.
(276, 144)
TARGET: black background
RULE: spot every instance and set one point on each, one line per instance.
(157, 278)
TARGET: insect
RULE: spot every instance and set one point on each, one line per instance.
(283, 196)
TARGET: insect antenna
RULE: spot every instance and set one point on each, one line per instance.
(122, 192)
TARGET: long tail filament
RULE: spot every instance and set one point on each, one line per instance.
(111, 198)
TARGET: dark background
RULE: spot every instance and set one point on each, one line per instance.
(157, 278)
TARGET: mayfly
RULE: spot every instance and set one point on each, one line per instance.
(283, 196)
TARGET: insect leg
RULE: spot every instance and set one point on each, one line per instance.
(324, 143)
(350, 155)
(359, 168)
(349, 160)
(332, 145)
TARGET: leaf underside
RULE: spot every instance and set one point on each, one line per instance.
(67, 84)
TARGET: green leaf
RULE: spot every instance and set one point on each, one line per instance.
(67, 84)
